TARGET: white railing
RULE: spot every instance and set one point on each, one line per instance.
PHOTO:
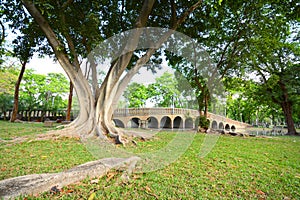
(124, 112)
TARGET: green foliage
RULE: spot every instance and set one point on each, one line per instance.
(43, 92)
(6, 103)
(136, 94)
(203, 122)
(8, 77)
(165, 91)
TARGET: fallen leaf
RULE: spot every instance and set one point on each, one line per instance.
(69, 191)
(92, 196)
(147, 188)
(95, 181)
(110, 176)
(260, 192)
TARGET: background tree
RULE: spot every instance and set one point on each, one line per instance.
(7, 78)
(136, 95)
(41, 92)
(274, 57)
(164, 92)
(231, 32)
(23, 50)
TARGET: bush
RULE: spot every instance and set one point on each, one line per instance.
(203, 122)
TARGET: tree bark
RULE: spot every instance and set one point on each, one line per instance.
(70, 99)
(16, 95)
(286, 106)
(287, 111)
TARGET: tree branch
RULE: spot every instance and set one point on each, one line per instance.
(3, 33)
(56, 45)
(186, 14)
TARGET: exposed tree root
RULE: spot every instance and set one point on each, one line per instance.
(37, 183)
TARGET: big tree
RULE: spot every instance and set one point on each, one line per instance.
(273, 56)
(73, 29)
(237, 33)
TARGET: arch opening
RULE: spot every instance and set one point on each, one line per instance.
(118, 123)
(152, 122)
(178, 122)
(134, 122)
(227, 127)
(221, 126)
(197, 121)
(214, 125)
(233, 128)
(165, 122)
(188, 124)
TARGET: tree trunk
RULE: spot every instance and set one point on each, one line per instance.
(286, 106)
(68, 115)
(206, 103)
(4, 115)
(16, 95)
(287, 111)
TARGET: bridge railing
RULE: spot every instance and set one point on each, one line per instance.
(38, 114)
(227, 120)
(125, 112)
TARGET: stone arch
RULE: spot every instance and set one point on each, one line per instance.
(189, 123)
(221, 126)
(214, 125)
(134, 122)
(166, 122)
(233, 128)
(152, 122)
(227, 127)
(178, 122)
(119, 123)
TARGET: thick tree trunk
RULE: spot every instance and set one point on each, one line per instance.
(70, 99)
(287, 111)
(16, 95)
(286, 106)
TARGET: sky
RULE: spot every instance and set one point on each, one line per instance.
(47, 65)
(44, 65)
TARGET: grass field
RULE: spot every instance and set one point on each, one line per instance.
(236, 168)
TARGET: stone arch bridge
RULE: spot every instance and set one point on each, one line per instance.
(172, 118)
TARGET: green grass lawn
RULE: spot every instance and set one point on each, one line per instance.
(236, 168)
(9, 131)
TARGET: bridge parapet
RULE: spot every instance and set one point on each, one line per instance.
(125, 112)
(224, 119)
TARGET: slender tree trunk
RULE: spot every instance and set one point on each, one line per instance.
(70, 99)
(16, 95)
(206, 103)
(4, 115)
